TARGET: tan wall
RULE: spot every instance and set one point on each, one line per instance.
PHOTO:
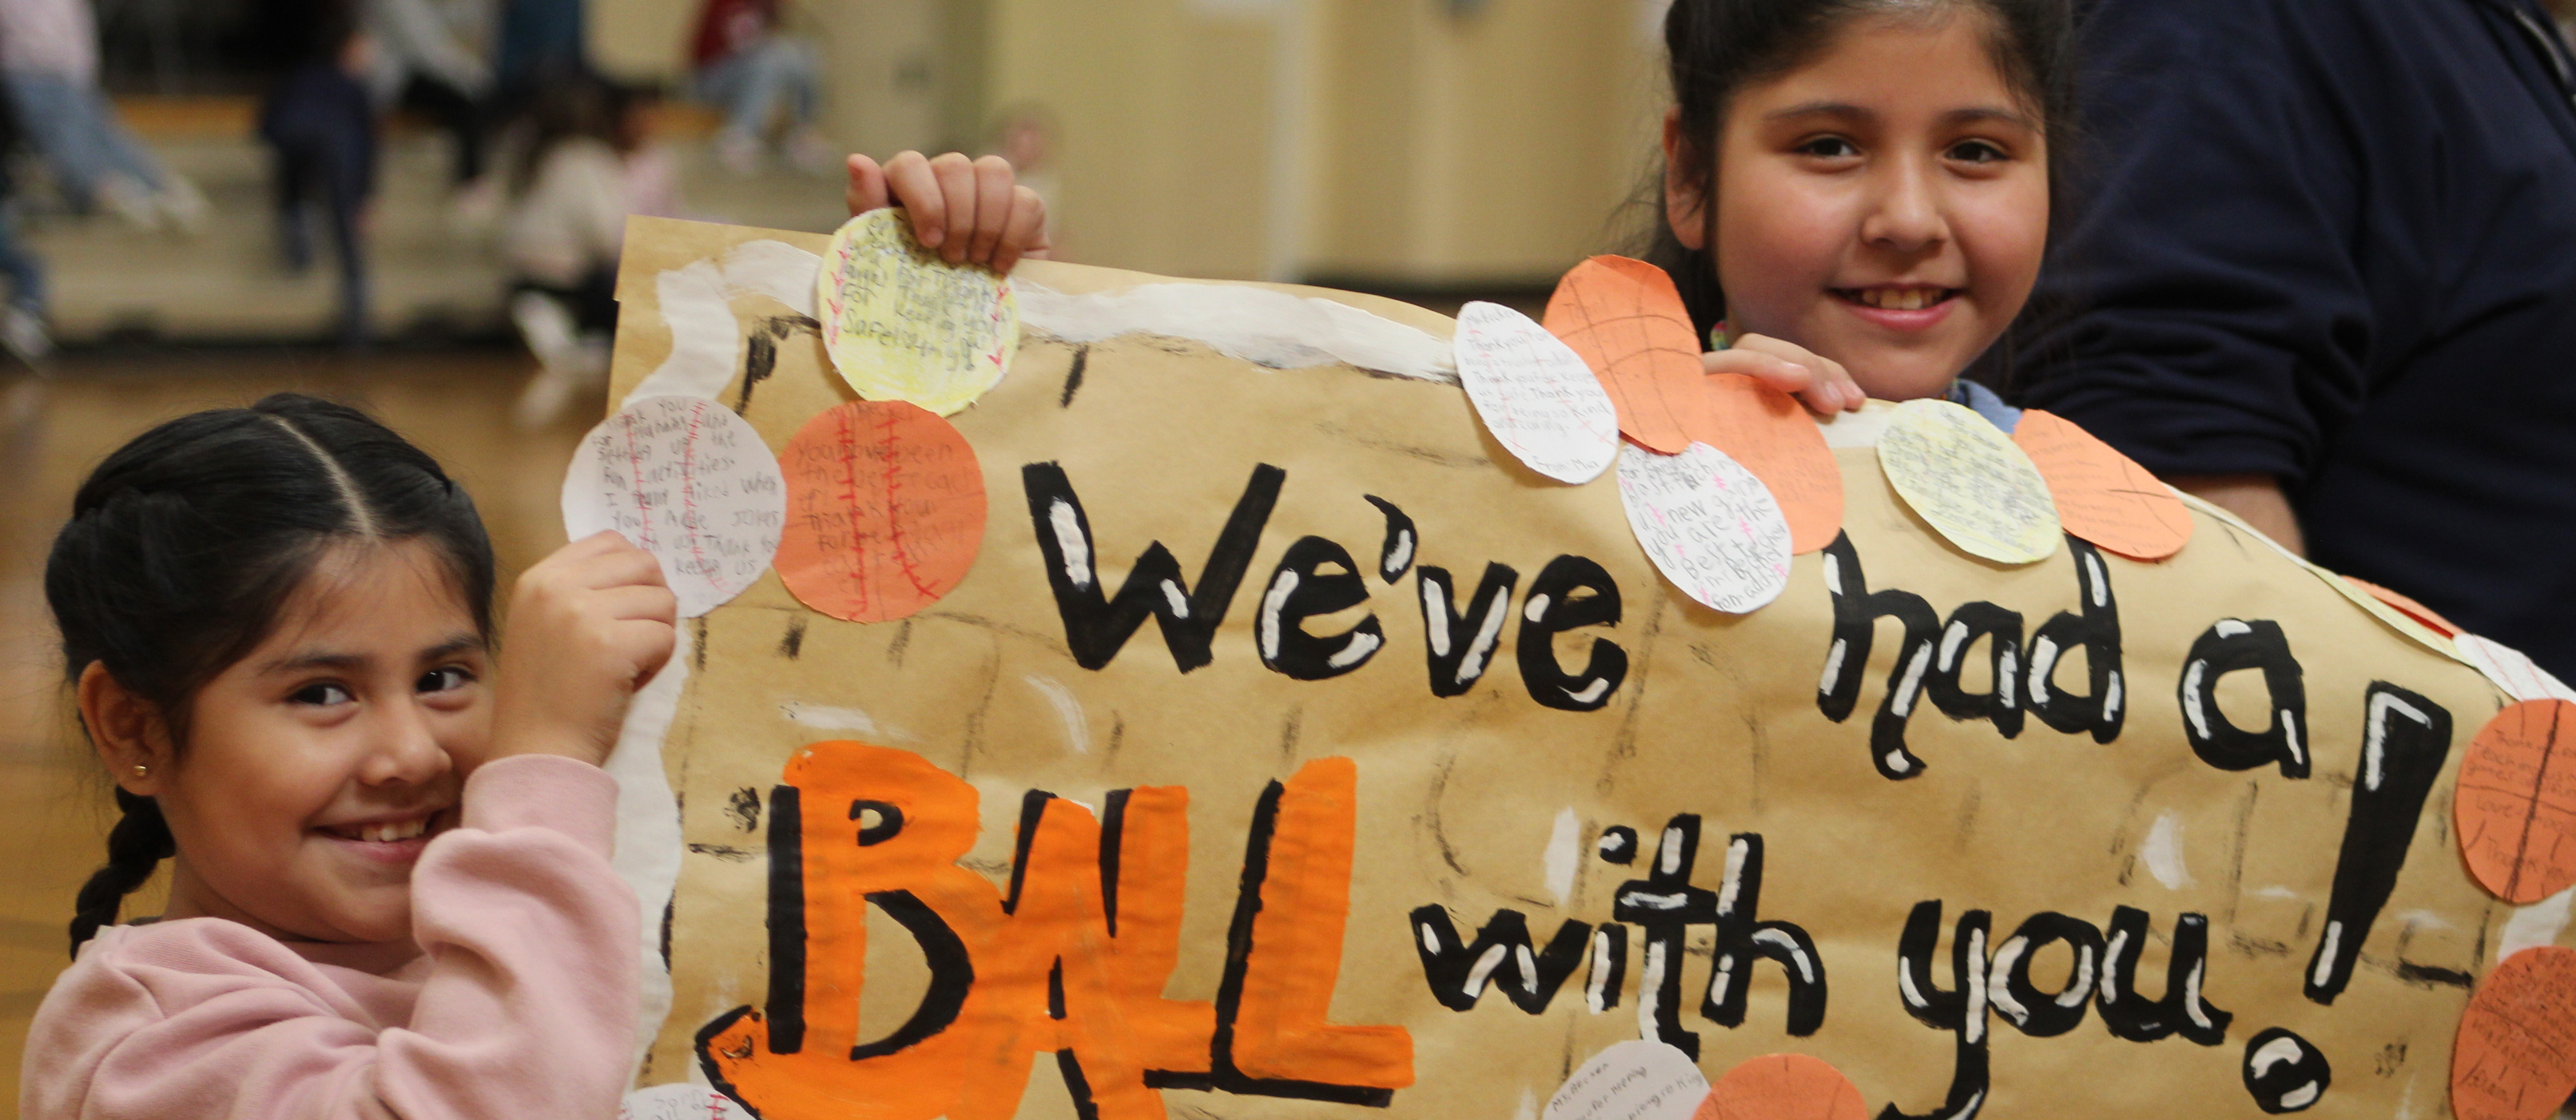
(1384, 141)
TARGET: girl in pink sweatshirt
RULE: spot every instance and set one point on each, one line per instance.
(390, 888)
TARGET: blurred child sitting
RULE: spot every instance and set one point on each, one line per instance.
(49, 60)
(322, 129)
(748, 67)
(589, 164)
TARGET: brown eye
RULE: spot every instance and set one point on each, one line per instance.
(1828, 147)
(444, 679)
(321, 695)
(1977, 151)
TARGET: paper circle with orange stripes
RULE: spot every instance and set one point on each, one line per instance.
(2515, 810)
(1783, 1087)
(2103, 496)
(885, 510)
(2515, 1055)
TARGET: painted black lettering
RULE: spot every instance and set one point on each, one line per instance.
(1460, 639)
(2020, 1000)
(1665, 906)
(1570, 594)
(1095, 628)
(1315, 577)
(1960, 1009)
(2094, 627)
(2000, 704)
(2404, 740)
(1856, 614)
(1742, 939)
(1402, 540)
(1500, 956)
(2128, 1013)
(2227, 646)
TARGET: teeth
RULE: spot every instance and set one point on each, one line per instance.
(1900, 299)
(387, 833)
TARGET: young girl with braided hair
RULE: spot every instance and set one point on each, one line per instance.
(390, 886)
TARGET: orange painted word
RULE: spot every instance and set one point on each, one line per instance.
(1072, 960)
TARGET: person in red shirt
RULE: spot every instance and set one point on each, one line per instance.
(748, 67)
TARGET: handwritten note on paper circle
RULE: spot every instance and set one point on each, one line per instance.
(1632, 1080)
(2510, 670)
(1969, 481)
(2515, 1058)
(885, 511)
(1774, 437)
(1627, 321)
(1535, 394)
(688, 481)
(2103, 496)
(680, 1102)
(2515, 809)
(903, 325)
(1783, 1087)
(1708, 524)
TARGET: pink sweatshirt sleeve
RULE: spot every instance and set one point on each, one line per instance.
(526, 1006)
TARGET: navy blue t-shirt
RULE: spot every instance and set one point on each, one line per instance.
(2334, 241)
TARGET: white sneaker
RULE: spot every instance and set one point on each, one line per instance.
(183, 204)
(567, 361)
(122, 196)
(22, 332)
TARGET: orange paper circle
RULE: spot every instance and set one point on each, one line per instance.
(1627, 321)
(2408, 607)
(1771, 434)
(2103, 496)
(885, 510)
(1783, 1087)
(2516, 806)
(2515, 1058)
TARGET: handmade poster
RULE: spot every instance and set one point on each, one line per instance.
(1287, 750)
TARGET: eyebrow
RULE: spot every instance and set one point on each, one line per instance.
(1970, 115)
(310, 660)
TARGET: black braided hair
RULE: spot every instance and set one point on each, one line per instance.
(183, 545)
(1718, 47)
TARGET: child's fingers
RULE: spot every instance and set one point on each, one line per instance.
(867, 185)
(994, 200)
(1829, 388)
(911, 184)
(646, 645)
(640, 603)
(1025, 235)
(956, 175)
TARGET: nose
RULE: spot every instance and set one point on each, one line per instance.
(1905, 212)
(406, 750)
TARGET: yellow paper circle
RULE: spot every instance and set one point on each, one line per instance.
(1970, 482)
(903, 325)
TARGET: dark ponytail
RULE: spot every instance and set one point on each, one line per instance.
(1718, 47)
(184, 544)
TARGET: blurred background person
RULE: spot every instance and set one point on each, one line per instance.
(751, 69)
(321, 130)
(2326, 278)
(540, 41)
(22, 312)
(431, 58)
(49, 61)
(591, 161)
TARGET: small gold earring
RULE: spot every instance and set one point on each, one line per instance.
(142, 771)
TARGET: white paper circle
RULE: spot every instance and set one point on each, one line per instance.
(688, 481)
(1535, 394)
(1632, 1080)
(2511, 670)
(1708, 524)
(1970, 481)
(680, 1102)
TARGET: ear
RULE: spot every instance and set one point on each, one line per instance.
(126, 730)
(1683, 203)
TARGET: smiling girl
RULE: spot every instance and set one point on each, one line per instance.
(390, 890)
(1856, 192)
